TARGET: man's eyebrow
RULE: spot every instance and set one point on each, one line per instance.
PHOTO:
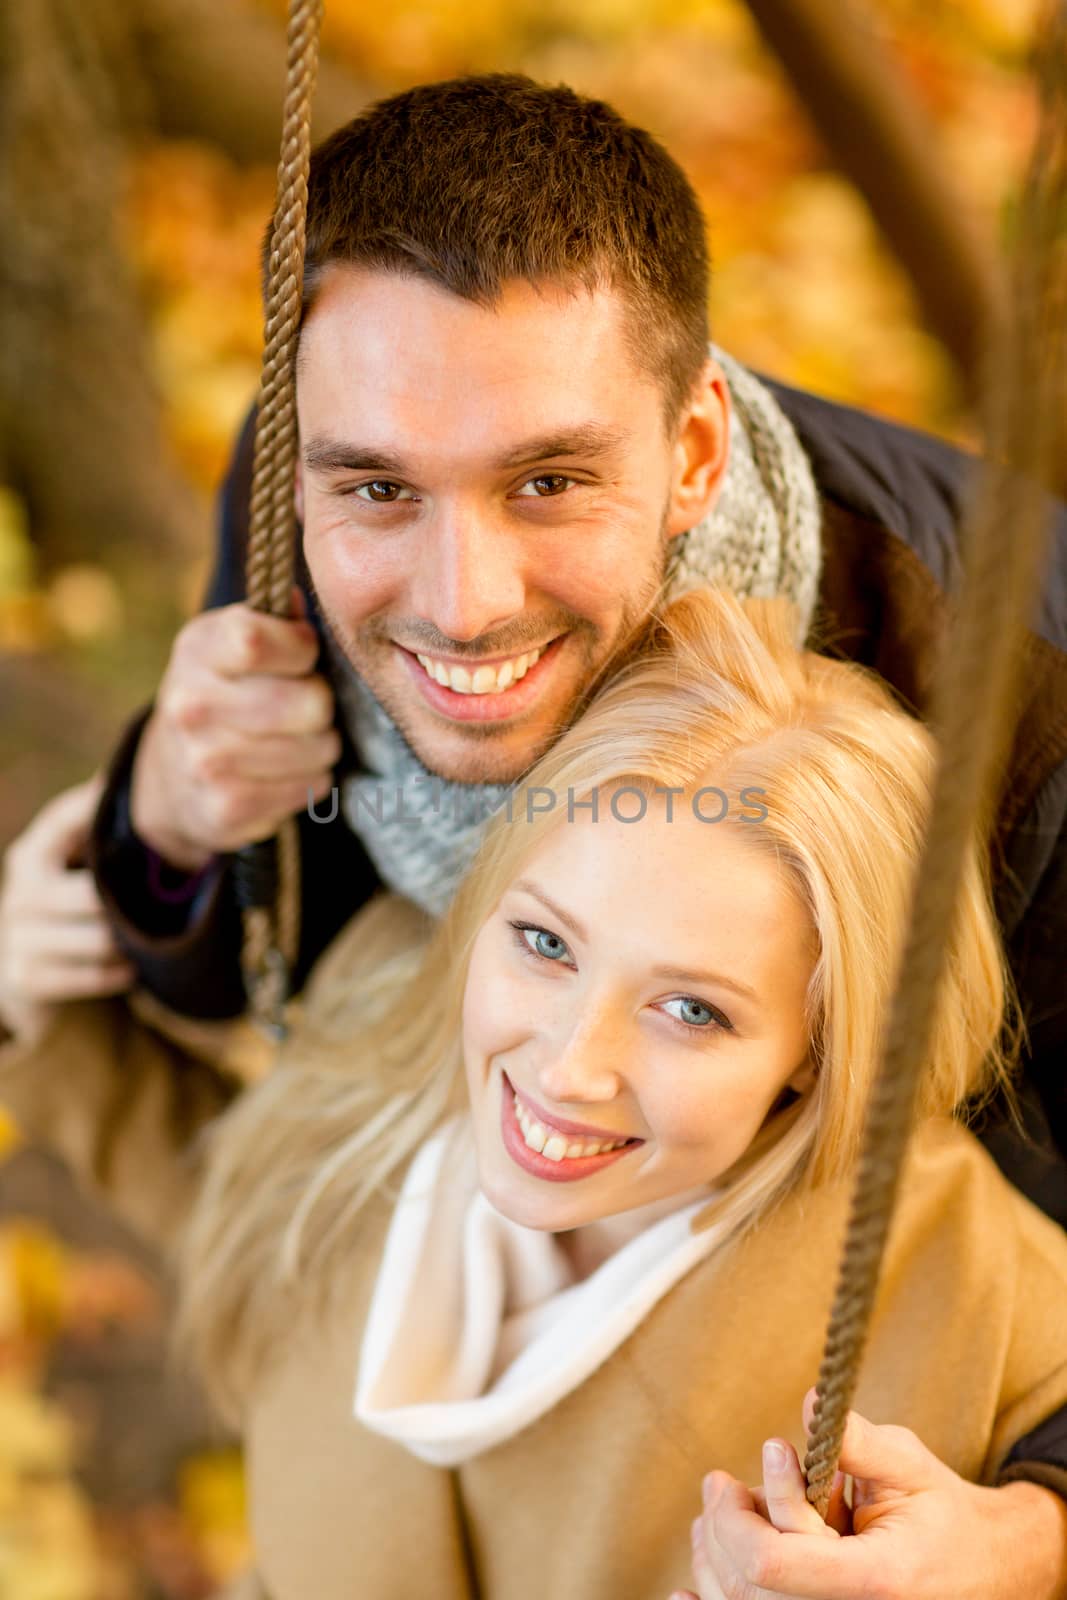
(675, 974)
(587, 439)
(323, 453)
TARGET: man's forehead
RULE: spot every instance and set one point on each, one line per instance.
(390, 362)
(369, 304)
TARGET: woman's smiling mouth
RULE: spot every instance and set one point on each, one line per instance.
(544, 1151)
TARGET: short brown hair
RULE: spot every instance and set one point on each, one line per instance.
(480, 180)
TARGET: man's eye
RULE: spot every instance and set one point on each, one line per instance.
(381, 491)
(547, 485)
(695, 1014)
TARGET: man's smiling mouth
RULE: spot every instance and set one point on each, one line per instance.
(486, 691)
(487, 678)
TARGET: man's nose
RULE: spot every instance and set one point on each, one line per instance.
(469, 575)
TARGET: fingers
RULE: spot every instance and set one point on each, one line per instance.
(747, 1555)
(894, 1458)
(52, 959)
(77, 942)
(270, 760)
(240, 732)
(236, 641)
(59, 831)
(55, 982)
(787, 1505)
(59, 892)
(838, 1512)
(201, 704)
(55, 942)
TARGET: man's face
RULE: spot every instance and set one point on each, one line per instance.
(488, 500)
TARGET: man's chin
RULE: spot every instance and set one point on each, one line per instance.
(478, 752)
(478, 757)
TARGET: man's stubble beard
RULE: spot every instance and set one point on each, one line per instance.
(629, 634)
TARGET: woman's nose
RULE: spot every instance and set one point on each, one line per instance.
(587, 1064)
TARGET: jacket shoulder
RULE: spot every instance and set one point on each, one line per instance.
(913, 485)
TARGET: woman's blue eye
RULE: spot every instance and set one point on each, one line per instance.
(695, 1013)
(549, 945)
(542, 943)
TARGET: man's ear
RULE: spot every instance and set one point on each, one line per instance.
(701, 451)
(298, 491)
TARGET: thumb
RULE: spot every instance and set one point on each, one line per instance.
(891, 1457)
(61, 827)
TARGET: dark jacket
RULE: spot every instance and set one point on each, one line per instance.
(892, 500)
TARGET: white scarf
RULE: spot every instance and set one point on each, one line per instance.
(512, 1329)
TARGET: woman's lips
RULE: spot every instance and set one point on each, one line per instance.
(539, 1166)
(580, 1130)
(497, 707)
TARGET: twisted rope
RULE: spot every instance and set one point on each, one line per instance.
(1003, 545)
(270, 871)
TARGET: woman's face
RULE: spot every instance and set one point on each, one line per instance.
(643, 982)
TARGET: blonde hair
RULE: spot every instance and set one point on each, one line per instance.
(714, 693)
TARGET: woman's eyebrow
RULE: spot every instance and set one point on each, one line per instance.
(557, 911)
(675, 974)
(689, 975)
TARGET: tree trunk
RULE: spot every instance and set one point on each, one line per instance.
(877, 134)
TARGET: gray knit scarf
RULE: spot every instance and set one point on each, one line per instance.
(762, 538)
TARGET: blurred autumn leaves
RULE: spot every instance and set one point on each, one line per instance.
(804, 287)
(55, 1542)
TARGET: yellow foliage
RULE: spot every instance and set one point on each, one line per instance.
(10, 1138)
(85, 603)
(48, 1545)
(16, 552)
(37, 1264)
(211, 1496)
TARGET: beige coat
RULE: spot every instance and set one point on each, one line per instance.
(594, 1501)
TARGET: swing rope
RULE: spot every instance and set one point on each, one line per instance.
(1003, 545)
(267, 874)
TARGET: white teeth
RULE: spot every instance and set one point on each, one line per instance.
(535, 1137)
(483, 680)
(554, 1145)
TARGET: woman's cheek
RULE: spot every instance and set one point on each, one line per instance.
(706, 1122)
(495, 1010)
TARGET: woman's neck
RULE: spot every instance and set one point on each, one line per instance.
(587, 1247)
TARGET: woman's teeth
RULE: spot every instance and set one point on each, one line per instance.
(483, 680)
(554, 1145)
